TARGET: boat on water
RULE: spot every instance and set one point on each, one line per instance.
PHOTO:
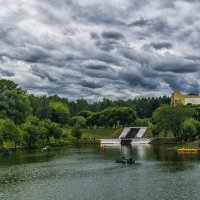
(188, 150)
(129, 161)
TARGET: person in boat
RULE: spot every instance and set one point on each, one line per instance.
(130, 160)
(123, 157)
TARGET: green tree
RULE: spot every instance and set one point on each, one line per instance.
(190, 128)
(9, 132)
(10, 85)
(40, 107)
(85, 113)
(170, 118)
(113, 116)
(76, 132)
(77, 120)
(14, 106)
(50, 129)
(94, 120)
(142, 122)
(30, 134)
(155, 131)
(33, 120)
(60, 112)
(127, 116)
(57, 131)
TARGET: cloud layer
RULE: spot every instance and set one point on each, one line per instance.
(93, 49)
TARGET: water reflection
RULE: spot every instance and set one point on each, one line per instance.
(88, 172)
(167, 157)
(138, 152)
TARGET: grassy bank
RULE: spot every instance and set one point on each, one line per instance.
(192, 145)
(89, 136)
(101, 133)
(161, 141)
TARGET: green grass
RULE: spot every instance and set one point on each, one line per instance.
(192, 145)
(148, 134)
(101, 133)
(8, 144)
(161, 141)
(88, 136)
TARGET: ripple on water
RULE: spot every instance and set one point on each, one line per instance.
(90, 174)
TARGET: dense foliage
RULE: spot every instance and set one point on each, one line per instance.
(181, 120)
(28, 119)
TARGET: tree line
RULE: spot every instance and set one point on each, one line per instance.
(29, 119)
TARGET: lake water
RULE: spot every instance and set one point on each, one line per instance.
(89, 173)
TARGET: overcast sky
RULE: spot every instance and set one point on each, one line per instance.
(94, 49)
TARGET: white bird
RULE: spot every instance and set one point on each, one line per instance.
(45, 148)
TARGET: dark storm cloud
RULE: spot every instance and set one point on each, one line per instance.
(108, 41)
(97, 69)
(161, 26)
(107, 45)
(97, 66)
(35, 54)
(138, 80)
(90, 84)
(112, 35)
(130, 54)
(177, 65)
(94, 36)
(178, 83)
(161, 45)
(191, 1)
(42, 73)
(95, 49)
(107, 58)
(139, 22)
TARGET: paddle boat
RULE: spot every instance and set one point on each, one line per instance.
(129, 161)
(183, 150)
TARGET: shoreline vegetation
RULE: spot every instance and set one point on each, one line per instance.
(92, 136)
(89, 136)
(27, 120)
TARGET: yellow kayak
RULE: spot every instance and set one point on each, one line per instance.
(183, 150)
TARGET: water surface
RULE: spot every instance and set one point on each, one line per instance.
(87, 172)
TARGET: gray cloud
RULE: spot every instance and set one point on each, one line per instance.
(96, 49)
(161, 45)
(42, 73)
(90, 84)
(6, 73)
(137, 80)
(140, 22)
(112, 35)
(177, 65)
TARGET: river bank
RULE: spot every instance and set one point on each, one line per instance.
(89, 136)
(163, 141)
